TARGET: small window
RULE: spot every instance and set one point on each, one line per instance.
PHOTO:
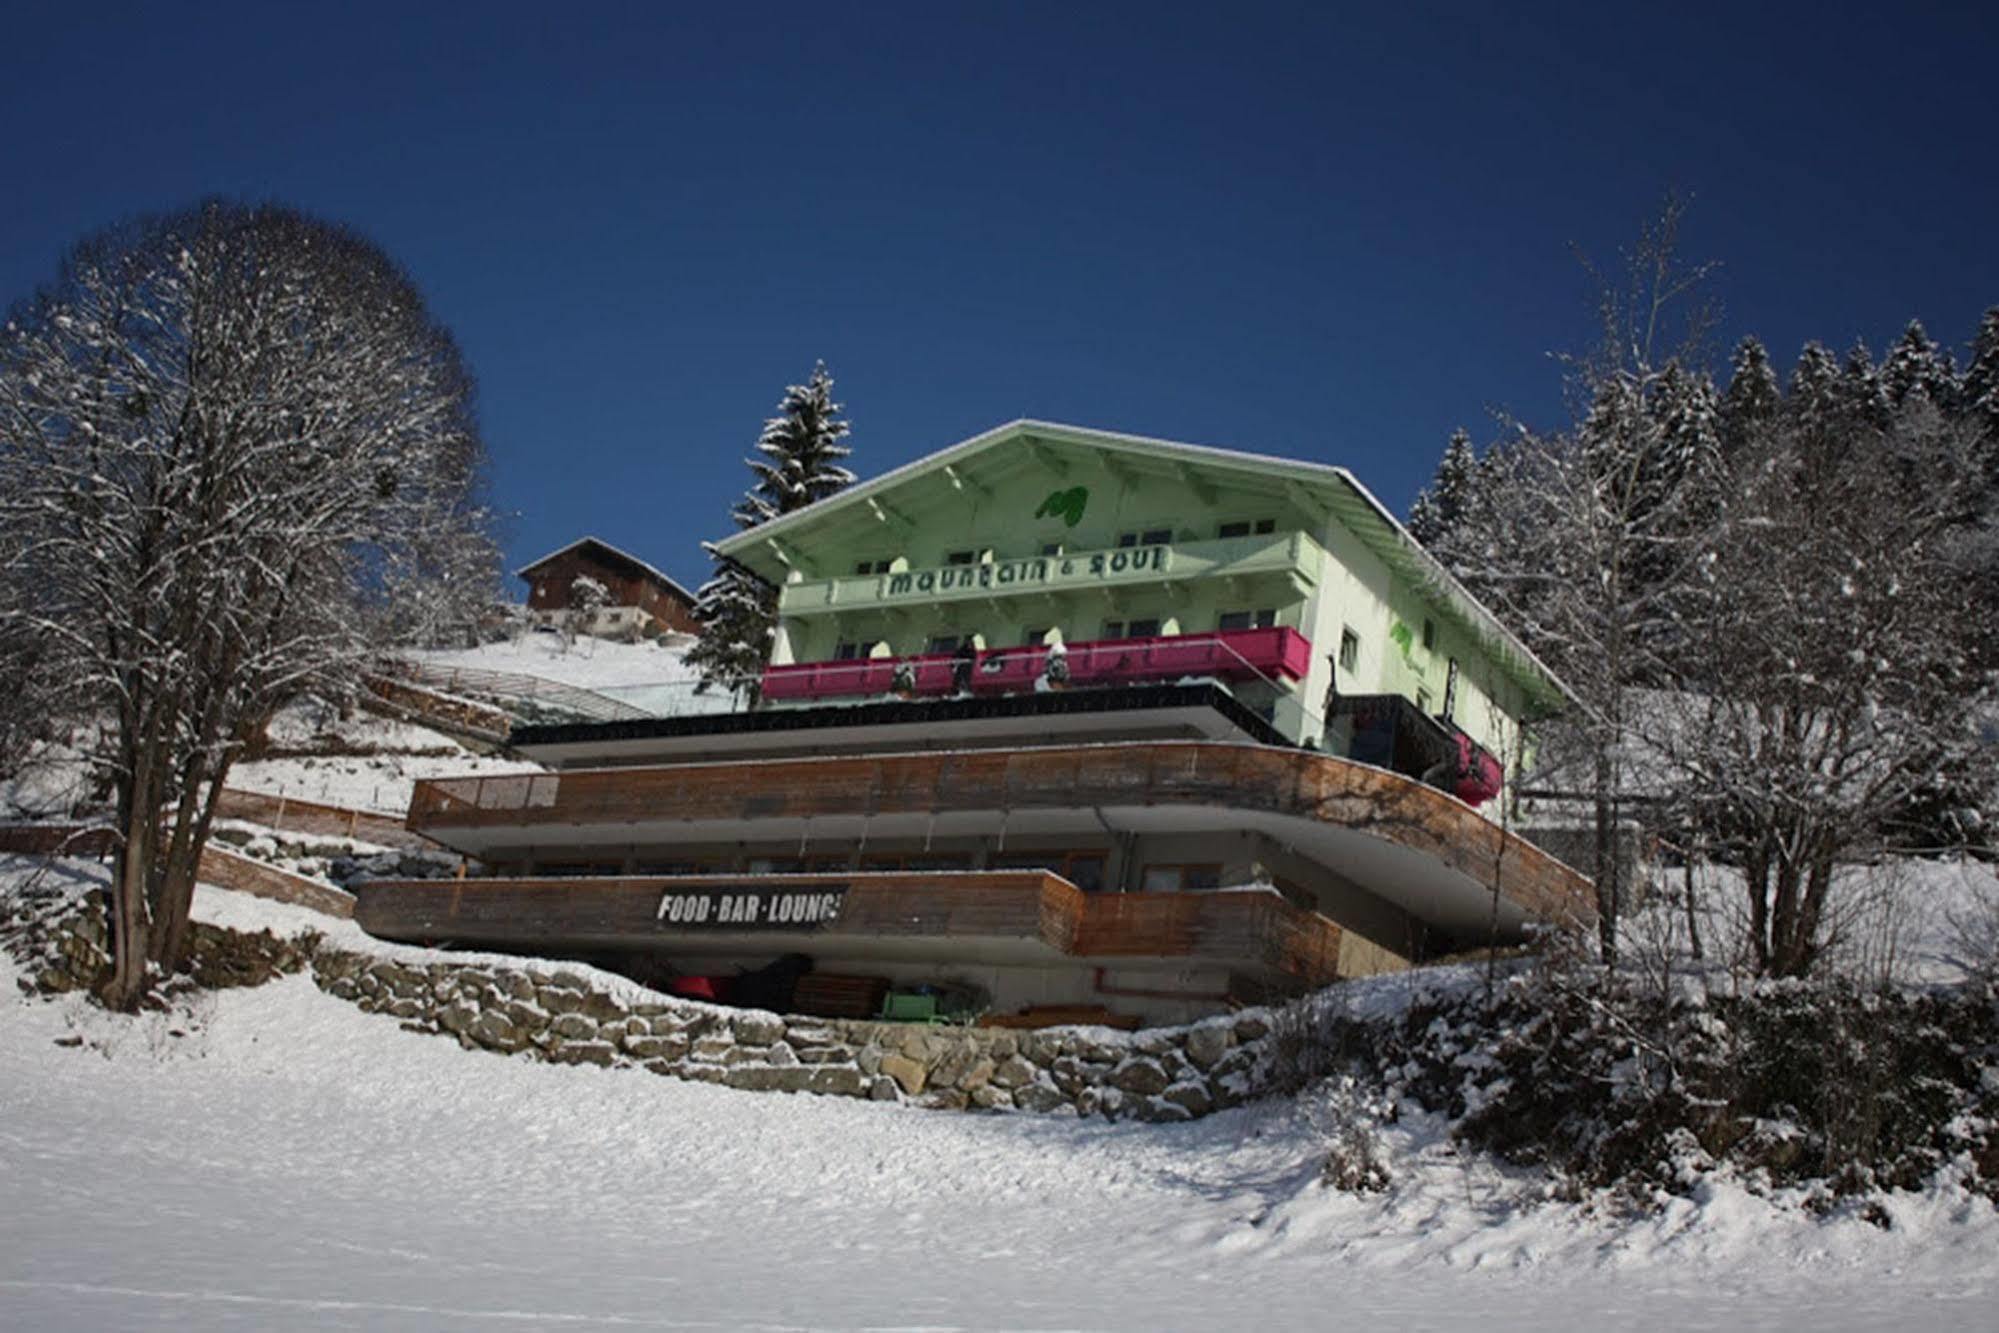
(961, 557)
(1429, 634)
(846, 650)
(872, 567)
(1127, 539)
(1051, 548)
(1349, 650)
(1451, 691)
(1259, 619)
(1142, 629)
(1156, 537)
(1032, 638)
(1113, 629)
(1264, 526)
(1181, 878)
(942, 643)
(1228, 530)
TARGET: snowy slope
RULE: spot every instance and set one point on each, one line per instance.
(593, 664)
(291, 1162)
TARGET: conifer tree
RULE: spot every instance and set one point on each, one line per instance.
(1915, 364)
(800, 450)
(1441, 506)
(1979, 390)
(1752, 398)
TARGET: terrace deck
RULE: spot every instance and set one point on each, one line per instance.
(1005, 915)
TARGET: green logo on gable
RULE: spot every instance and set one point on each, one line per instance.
(1066, 505)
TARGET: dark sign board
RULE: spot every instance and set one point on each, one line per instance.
(751, 907)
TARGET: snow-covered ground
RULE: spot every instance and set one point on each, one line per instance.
(593, 664)
(387, 759)
(275, 1158)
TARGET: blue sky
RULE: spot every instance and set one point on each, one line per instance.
(1332, 235)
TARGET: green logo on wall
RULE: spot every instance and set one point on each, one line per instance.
(1066, 505)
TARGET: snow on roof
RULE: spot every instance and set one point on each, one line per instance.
(600, 543)
(1392, 542)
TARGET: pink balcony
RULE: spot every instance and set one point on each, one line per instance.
(1276, 654)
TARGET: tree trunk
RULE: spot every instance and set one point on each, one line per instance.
(131, 884)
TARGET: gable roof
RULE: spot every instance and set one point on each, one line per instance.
(525, 571)
(1371, 521)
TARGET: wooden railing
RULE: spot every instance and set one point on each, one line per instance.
(1274, 653)
(1296, 784)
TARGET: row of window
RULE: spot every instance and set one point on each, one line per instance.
(1136, 537)
(1142, 627)
(1084, 869)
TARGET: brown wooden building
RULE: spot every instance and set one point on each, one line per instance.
(639, 594)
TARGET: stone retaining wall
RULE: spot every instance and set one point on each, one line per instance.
(559, 1016)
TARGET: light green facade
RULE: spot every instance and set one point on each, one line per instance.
(1082, 532)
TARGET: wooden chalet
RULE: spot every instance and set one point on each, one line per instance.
(1237, 749)
(639, 595)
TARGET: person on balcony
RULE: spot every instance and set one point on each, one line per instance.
(963, 662)
(1054, 668)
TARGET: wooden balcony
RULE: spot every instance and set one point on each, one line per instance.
(1025, 916)
(1387, 833)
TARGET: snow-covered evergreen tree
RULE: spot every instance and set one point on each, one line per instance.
(1752, 398)
(1979, 389)
(1441, 505)
(1915, 364)
(799, 462)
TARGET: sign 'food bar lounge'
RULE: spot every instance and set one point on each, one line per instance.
(1068, 721)
(753, 907)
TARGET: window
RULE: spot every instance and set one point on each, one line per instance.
(1033, 638)
(1260, 619)
(1429, 634)
(906, 861)
(961, 557)
(1113, 629)
(846, 650)
(1149, 537)
(1132, 629)
(942, 643)
(1349, 650)
(672, 867)
(1242, 527)
(873, 566)
(1083, 869)
(1051, 548)
(1180, 878)
(1451, 690)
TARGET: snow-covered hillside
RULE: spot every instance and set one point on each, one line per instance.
(363, 761)
(275, 1158)
(591, 663)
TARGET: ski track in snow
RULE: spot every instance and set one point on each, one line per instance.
(291, 1162)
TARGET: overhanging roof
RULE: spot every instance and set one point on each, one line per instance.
(615, 552)
(1332, 488)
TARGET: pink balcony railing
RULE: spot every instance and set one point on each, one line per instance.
(1245, 654)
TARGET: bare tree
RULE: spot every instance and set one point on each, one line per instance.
(1838, 658)
(233, 445)
(1582, 537)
